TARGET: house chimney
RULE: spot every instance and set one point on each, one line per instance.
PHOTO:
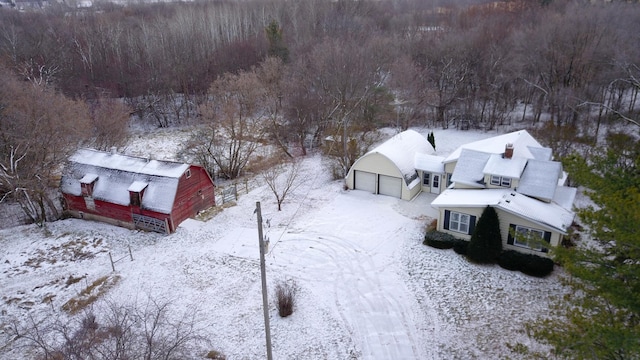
(508, 151)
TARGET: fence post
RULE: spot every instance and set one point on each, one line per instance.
(130, 254)
(111, 259)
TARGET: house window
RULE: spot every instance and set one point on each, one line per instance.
(500, 181)
(528, 238)
(459, 222)
(425, 179)
(188, 173)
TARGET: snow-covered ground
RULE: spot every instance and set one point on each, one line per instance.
(367, 287)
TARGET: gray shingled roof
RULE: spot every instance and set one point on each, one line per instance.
(540, 179)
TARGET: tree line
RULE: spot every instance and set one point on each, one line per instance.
(312, 74)
(327, 74)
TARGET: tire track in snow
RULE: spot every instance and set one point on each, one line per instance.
(358, 280)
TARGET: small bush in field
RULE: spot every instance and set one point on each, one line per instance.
(526, 263)
(215, 355)
(286, 298)
(440, 240)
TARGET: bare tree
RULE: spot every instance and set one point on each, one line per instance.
(236, 123)
(110, 123)
(282, 179)
(346, 77)
(39, 128)
(153, 330)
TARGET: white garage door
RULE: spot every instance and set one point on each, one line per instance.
(365, 181)
(391, 186)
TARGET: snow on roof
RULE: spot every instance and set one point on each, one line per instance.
(430, 163)
(565, 196)
(540, 153)
(469, 168)
(550, 215)
(540, 179)
(116, 175)
(137, 186)
(401, 150)
(88, 178)
(129, 163)
(468, 198)
(522, 143)
(500, 166)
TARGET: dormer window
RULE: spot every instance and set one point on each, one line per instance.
(136, 190)
(87, 183)
(500, 181)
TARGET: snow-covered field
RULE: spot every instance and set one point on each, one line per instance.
(367, 287)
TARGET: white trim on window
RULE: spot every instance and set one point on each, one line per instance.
(459, 222)
(188, 173)
(528, 238)
(500, 181)
(425, 178)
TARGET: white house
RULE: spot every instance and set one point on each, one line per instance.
(513, 173)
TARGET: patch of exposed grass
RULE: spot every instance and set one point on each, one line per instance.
(209, 213)
(72, 280)
(90, 294)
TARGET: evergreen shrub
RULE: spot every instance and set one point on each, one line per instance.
(440, 240)
(529, 264)
(486, 242)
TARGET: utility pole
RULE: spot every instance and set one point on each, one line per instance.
(263, 273)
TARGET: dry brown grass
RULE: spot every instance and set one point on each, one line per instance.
(90, 294)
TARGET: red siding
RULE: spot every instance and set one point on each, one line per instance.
(194, 194)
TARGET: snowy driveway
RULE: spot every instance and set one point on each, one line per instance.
(349, 252)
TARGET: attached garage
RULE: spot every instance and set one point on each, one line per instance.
(389, 169)
(365, 181)
(391, 186)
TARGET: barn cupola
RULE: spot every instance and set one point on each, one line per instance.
(508, 151)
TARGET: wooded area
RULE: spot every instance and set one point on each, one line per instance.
(327, 74)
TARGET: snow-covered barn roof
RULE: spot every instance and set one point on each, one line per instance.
(115, 175)
(129, 163)
(401, 150)
(550, 215)
(524, 145)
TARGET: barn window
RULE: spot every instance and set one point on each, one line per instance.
(188, 173)
(134, 198)
(136, 191)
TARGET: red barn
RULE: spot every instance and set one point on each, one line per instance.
(133, 192)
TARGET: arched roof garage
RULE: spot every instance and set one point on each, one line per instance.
(389, 169)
